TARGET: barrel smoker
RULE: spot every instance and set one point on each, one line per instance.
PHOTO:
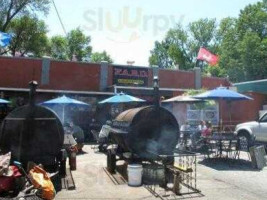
(33, 133)
(149, 135)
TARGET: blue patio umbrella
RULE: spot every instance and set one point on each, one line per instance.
(121, 98)
(222, 93)
(64, 101)
(3, 101)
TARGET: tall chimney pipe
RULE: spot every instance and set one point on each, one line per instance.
(32, 85)
(156, 91)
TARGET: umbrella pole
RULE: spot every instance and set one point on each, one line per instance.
(230, 116)
(63, 114)
(221, 120)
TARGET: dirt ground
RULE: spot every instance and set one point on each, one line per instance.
(217, 179)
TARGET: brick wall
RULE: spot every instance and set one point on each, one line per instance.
(17, 72)
(213, 82)
(176, 79)
(247, 110)
(74, 76)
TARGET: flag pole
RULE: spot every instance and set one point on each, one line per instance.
(199, 64)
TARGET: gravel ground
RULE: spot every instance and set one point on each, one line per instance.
(217, 179)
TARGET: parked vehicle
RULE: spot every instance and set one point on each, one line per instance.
(252, 132)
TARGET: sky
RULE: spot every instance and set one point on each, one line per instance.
(127, 29)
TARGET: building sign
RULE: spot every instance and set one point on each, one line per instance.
(130, 76)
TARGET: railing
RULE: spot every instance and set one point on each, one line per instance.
(182, 173)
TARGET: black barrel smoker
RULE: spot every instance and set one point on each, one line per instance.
(142, 134)
(33, 133)
(149, 135)
(146, 131)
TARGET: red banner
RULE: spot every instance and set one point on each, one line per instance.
(207, 56)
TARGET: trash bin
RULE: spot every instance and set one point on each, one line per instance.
(135, 172)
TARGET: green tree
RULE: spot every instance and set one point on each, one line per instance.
(243, 50)
(241, 44)
(58, 48)
(29, 36)
(159, 55)
(78, 44)
(181, 45)
(203, 34)
(97, 57)
(9, 9)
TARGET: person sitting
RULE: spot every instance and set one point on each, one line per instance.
(202, 126)
(78, 135)
(196, 136)
(185, 127)
(103, 135)
(207, 131)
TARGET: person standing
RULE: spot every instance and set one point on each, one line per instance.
(103, 135)
(196, 135)
(184, 134)
(78, 135)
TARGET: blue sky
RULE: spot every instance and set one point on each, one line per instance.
(127, 29)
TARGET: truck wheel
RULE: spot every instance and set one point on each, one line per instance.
(245, 141)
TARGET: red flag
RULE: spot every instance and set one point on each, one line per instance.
(207, 56)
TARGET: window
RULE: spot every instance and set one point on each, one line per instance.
(264, 119)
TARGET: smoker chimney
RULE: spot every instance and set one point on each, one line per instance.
(156, 91)
(32, 85)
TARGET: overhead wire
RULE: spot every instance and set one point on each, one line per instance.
(60, 20)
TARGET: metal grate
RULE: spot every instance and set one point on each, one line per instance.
(179, 177)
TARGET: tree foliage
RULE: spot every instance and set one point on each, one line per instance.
(244, 45)
(58, 47)
(97, 57)
(10, 9)
(29, 36)
(181, 45)
(241, 44)
(78, 44)
(19, 18)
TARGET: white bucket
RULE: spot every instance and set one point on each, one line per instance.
(135, 172)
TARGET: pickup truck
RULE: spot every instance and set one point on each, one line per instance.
(252, 132)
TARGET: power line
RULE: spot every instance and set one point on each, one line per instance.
(61, 22)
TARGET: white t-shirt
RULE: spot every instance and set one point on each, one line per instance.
(104, 132)
(185, 127)
(201, 128)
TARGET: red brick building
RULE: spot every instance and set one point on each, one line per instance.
(81, 78)
(93, 82)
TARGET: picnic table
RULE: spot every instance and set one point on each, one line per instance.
(223, 142)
